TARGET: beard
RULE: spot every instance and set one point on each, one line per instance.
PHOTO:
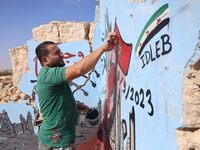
(58, 64)
(61, 65)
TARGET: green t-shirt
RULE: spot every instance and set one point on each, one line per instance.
(58, 108)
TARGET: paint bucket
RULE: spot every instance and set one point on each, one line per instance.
(93, 117)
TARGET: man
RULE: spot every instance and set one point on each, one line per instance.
(57, 104)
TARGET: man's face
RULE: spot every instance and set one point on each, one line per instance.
(55, 57)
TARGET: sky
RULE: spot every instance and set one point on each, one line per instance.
(19, 17)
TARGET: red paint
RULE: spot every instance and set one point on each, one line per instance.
(93, 144)
(158, 21)
(124, 55)
(33, 95)
(68, 55)
(36, 66)
(147, 32)
(58, 43)
(80, 54)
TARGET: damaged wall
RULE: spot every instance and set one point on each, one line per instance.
(76, 44)
(188, 136)
(147, 88)
(152, 78)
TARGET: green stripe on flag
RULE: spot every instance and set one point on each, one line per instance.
(151, 20)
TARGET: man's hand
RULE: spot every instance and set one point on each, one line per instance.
(88, 63)
(110, 42)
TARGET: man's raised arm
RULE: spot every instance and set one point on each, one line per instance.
(88, 63)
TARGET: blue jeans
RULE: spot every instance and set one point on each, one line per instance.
(44, 147)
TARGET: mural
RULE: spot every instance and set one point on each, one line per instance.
(136, 88)
(80, 88)
(144, 81)
(86, 129)
(14, 134)
(156, 23)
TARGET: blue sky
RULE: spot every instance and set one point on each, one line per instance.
(19, 17)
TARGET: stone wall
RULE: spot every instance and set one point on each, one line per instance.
(8, 91)
(62, 31)
(188, 136)
(19, 60)
(11, 94)
(56, 31)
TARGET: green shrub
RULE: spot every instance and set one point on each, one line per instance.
(5, 73)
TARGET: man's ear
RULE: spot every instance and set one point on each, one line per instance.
(45, 61)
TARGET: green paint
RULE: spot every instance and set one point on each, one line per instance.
(151, 20)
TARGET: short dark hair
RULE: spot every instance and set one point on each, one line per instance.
(41, 50)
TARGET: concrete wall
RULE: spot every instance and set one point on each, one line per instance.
(145, 75)
(141, 87)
